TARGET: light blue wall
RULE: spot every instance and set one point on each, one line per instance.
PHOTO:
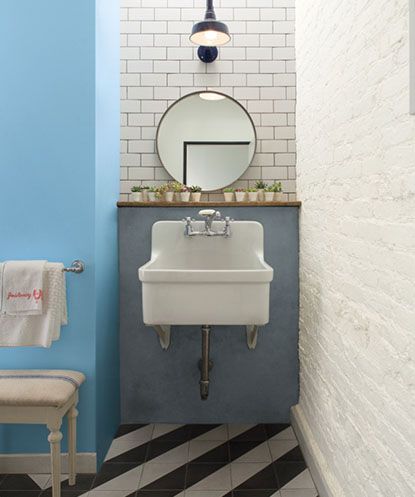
(49, 171)
(106, 195)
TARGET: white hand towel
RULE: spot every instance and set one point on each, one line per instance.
(40, 330)
(23, 288)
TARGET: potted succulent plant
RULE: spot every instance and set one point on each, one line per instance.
(184, 193)
(260, 186)
(153, 194)
(228, 194)
(176, 187)
(277, 187)
(145, 193)
(269, 193)
(168, 190)
(136, 194)
(240, 194)
(196, 192)
(160, 193)
(252, 194)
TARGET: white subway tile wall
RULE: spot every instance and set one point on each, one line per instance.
(159, 65)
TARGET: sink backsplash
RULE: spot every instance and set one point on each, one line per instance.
(159, 385)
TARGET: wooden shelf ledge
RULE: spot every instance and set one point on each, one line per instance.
(222, 203)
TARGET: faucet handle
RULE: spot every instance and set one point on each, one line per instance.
(210, 213)
(207, 212)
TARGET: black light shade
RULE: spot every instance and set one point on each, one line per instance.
(210, 32)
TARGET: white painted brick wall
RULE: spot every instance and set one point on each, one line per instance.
(159, 65)
(356, 178)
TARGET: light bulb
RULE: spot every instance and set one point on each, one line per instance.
(210, 35)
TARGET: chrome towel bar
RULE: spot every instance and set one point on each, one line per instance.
(77, 266)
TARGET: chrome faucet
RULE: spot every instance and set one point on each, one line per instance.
(210, 215)
(188, 230)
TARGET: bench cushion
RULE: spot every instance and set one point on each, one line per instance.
(51, 388)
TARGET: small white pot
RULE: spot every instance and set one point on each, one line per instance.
(269, 196)
(261, 195)
(228, 196)
(279, 196)
(145, 195)
(152, 196)
(136, 197)
(196, 196)
(169, 196)
(253, 196)
(240, 196)
(185, 196)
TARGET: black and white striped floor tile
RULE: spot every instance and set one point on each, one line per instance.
(167, 460)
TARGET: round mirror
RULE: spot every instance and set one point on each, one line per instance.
(206, 139)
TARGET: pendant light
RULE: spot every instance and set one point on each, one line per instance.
(209, 33)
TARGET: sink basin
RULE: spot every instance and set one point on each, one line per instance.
(206, 280)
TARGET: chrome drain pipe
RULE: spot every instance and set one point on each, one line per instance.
(205, 363)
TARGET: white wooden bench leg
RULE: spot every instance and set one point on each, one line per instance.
(54, 438)
(72, 415)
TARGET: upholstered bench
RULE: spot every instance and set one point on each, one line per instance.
(44, 397)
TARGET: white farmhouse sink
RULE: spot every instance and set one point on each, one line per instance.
(206, 280)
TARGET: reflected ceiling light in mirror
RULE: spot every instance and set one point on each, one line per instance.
(211, 95)
(209, 34)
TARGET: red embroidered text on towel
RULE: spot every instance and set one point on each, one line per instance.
(36, 295)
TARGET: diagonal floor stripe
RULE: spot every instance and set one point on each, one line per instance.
(302, 481)
(171, 442)
(123, 485)
(255, 493)
(41, 480)
(213, 476)
(195, 460)
(128, 478)
(203, 493)
(285, 434)
(127, 428)
(163, 476)
(134, 439)
(163, 469)
(164, 428)
(112, 493)
(276, 475)
(242, 468)
(303, 492)
(205, 477)
(218, 478)
(129, 441)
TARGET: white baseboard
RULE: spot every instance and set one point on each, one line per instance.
(324, 479)
(40, 463)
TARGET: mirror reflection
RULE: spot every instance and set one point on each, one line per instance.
(206, 139)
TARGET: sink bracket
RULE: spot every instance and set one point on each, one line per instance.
(252, 335)
(163, 332)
